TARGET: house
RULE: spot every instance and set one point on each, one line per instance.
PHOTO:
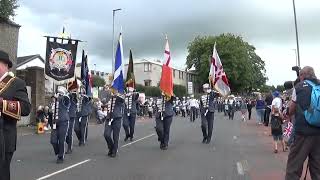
(148, 73)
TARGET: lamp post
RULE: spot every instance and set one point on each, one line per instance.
(296, 28)
(113, 14)
(295, 51)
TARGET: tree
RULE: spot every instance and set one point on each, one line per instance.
(179, 90)
(7, 9)
(244, 68)
(97, 81)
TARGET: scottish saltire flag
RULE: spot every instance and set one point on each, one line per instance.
(118, 82)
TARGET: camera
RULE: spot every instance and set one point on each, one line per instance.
(290, 84)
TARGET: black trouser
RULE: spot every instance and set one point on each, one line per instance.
(163, 129)
(231, 114)
(183, 113)
(58, 138)
(267, 116)
(69, 139)
(249, 113)
(50, 114)
(207, 125)
(193, 114)
(81, 128)
(128, 125)
(5, 166)
(113, 129)
(304, 147)
(150, 114)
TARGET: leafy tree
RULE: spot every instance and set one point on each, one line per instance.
(244, 68)
(97, 81)
(7, 9)
(179, 90)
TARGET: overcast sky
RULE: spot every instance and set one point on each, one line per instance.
(266, 24)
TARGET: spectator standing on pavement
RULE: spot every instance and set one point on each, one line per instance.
(268, 101)
(276, 121)
(307, 137)
(249, 107)
(260, 110)
(243, 108)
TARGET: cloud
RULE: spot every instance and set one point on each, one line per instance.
(268, 25)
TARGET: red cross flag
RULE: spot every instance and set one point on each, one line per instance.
(166, 81)
(217, 76)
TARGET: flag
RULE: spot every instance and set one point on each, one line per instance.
(166, 81)
(130, 82)
(118, 82)
(212, 68)
(85, 76)
(220, 82)
(288, 130)
(60, 60)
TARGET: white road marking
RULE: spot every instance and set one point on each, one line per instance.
(240, 168)
(138, 140)
(62, 170)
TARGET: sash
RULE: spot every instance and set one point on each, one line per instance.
(9, 108)
(4, 84)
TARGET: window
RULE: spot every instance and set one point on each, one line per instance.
(182, 75)
(147, 67)
(147, 82)
(174, 73)
(179, 74)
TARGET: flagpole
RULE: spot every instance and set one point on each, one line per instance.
(113, 15)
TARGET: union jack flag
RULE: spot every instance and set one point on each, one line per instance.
(288, 130)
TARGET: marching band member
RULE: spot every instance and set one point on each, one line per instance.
(207, 113)
(83, 112)
(115, 108)
(163, 120)
(130, 113)
(72, 87)
(14, 103)
(60, 122)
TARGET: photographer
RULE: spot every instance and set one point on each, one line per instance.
(307, 137)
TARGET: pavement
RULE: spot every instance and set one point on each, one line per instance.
(239, 151)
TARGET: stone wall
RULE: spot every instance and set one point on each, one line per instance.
(9, 34)
(34, 77)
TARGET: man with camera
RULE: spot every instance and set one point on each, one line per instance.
(307, 134)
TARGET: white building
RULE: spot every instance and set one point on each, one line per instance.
(148, 73)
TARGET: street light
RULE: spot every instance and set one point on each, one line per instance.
(296, 27)
(113, 14)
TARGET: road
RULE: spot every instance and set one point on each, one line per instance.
(239, 151)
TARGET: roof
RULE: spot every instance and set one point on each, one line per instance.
(25, 59)
(157, 62)
(8, 21)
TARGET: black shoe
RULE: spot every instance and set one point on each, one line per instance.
(204, 140)
(165, 147)
(81, 144)
(208, 141)
(131, 139)
(69, 151)
(126, 138)
(161, 146)
(59, 161)
(109, 153)
(113, 155)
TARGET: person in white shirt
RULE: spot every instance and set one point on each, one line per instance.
(193, 105)
(276, 121)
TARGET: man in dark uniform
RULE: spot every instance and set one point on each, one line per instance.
(61, 123)
(163, 120)
(81, 124)
(130, 113)
(72, 87)
(14, 103)
(113, 123)
(207, 113)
